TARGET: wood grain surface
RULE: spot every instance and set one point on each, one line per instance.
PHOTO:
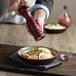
(2, 73)
(17, 35)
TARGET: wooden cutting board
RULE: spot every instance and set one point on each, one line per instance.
(66, 68)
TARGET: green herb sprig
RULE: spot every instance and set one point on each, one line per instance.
(38, 50)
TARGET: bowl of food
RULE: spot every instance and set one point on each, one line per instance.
(54, 28)
(37, 54)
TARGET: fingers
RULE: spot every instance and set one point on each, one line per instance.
(24, 2)
(40, 23)
(14, 4)
(40, 15)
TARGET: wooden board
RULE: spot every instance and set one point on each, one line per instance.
(67, 68)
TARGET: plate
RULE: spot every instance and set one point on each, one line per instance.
(40, 60)
(54, 28)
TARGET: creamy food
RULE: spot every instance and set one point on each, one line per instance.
(54, 26)
(37, 53)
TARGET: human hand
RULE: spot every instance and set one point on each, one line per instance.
(24, 2)
(40, 16)
(14, 5)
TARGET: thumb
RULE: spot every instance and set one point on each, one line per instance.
(25, 3)
(40, 23)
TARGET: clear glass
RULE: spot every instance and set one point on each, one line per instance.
(65, 18)
(67, 55)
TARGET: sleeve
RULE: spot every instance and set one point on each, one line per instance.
(47, 5)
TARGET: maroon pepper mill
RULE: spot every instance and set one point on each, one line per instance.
(32, 23)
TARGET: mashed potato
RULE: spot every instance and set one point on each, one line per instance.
(54, 26)
(37, 53)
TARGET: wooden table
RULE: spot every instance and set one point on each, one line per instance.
(65, 42)
(17, 35)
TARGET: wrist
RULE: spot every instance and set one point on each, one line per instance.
(39, 14)
(42, 7)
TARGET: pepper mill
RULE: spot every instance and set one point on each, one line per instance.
(33, 25)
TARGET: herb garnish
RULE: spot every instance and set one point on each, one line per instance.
(38, 50)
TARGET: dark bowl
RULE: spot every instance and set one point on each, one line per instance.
(54, 31)
(36, 61)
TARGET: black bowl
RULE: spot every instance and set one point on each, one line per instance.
(54, 30)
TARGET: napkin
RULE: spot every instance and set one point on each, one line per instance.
(16, 58)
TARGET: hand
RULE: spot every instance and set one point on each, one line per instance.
(24, 2)
(40, 15)
(14, 5)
